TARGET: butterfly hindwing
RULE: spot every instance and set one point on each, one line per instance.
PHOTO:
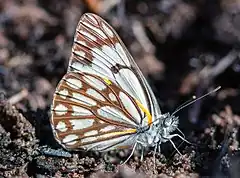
(88, 110)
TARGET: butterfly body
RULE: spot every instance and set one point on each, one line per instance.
(158, 132)
(104, 102)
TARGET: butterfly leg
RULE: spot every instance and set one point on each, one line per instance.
(154, 156)
(174, 146)
(142, 151)
(159, 147)
(177, 135)
(134, 147)
(181, 132)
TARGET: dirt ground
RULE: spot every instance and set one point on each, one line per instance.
(184, 48)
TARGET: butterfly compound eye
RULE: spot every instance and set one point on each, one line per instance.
(167, 121)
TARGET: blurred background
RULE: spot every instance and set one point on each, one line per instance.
(183, 48)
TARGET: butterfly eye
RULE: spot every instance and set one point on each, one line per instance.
(167, 122)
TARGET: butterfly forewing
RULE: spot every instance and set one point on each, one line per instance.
(104, 98)
(98, 49)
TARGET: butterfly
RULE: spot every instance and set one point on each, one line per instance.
(104, 102)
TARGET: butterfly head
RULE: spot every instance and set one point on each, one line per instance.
(161, 129)
(169, 123)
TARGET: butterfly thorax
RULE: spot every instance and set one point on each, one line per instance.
(159, 131)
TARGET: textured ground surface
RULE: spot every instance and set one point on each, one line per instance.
(183, 49)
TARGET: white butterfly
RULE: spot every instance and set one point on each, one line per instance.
(104, 102)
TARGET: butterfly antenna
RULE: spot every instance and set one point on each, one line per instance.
(194, 100)
(191, 99)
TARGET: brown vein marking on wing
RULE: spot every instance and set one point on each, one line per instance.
(100, 40)
(88, 48)
(89, 44)
(114, 135)
(80, 132)
(104, 144)
(68, 103)
(119, 130)
(116, 90)
(113, 88)
(68, 116)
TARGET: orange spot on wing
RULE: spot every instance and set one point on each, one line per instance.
(149, 116)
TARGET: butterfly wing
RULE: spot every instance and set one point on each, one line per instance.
(89, 112)
(97, 49)
(103, 99)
